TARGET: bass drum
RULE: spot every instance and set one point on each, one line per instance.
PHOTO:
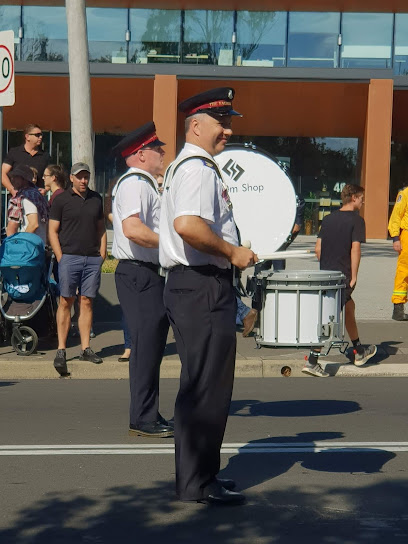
(262, 195)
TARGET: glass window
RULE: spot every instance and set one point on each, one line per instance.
(10, 20)
(261, 38)
(401, 44)
(366, 40)
(45, 34)
(61, 149)
(155, 35)
(208, 37)
(399, 169)
(313, 39)
(107, 165)
(107, 34)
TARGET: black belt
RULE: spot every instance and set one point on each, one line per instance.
(135, 262)
(206, 270)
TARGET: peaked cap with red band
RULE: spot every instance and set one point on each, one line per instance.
(144, 136)
(215, 102)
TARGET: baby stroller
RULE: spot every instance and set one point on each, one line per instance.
(25, 287)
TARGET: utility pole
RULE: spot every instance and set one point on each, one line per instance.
(80, 86)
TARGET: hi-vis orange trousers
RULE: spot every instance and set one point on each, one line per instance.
(399, 295)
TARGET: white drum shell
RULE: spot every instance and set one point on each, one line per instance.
(298, 306)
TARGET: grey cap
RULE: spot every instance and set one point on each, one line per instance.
(22, 171)
(78, 167)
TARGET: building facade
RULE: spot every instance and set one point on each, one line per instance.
(322, 84)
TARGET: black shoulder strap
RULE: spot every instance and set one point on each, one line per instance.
(172, 169)
(206, 159)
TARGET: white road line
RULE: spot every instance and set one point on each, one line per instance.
(239, 448)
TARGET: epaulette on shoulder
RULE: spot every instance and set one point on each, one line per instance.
(207, 163)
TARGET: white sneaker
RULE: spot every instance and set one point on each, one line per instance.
(315, 370)
(360, 359)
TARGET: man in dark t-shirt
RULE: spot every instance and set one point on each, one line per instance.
(27, 154)
(78, 239)
(338, 247)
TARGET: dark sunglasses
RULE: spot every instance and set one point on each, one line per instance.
(38, 134)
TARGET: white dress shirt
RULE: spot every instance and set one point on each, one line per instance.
(135, 195)
(196, 190)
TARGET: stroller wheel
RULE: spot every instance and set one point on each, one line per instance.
(27, 343)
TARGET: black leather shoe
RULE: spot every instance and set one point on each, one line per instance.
(224, 496)
(160, 419)
(153, 430)
(227, 484)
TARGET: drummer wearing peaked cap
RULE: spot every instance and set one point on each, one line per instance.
(136, 212)
(198, 245)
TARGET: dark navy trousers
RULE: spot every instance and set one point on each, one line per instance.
(201, 309)
(140, 293)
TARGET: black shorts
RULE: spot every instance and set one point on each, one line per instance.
(347, 292)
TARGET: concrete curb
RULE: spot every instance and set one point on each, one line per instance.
(31, 369)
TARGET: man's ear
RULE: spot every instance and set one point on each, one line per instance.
(195, 126)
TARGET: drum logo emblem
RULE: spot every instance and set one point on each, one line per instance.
(233, 170)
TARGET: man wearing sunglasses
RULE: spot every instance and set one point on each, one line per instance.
(30, 153)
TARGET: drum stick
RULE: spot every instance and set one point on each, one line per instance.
(294, 254)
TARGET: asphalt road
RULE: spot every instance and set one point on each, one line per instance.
(320, 461)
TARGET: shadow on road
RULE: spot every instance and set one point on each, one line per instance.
(7, 384)
(265, 467)
(292, 408)
(128, 514)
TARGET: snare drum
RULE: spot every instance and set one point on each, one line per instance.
(298, 308)
(301, 308)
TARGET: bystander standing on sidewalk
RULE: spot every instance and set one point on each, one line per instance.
(29, 153)
(246, 317)
(127, 343)
(78, 238)
(338, 247)
(28, 210)
(55, 181)
(398, 229)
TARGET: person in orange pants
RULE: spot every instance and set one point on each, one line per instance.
(398, 229)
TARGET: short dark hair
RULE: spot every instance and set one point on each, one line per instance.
(28, 128)
(349, 190)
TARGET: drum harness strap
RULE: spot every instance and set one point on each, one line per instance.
(140, 175)
(156, 268)
(168, 176)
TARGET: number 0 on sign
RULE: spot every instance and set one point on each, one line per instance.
(7, 68)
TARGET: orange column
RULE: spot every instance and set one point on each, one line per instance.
(165, 113)
(375, 171)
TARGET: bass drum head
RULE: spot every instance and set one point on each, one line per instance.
(263, 197)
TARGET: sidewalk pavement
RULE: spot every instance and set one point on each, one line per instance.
(374, 309)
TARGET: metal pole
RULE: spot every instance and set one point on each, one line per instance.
(80, 86)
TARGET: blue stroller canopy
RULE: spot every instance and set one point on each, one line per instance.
(22, 266)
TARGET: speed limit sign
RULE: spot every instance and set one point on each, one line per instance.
(7, 68)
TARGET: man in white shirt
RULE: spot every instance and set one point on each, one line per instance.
(28, 209)
(136, 213)
(198, 245)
